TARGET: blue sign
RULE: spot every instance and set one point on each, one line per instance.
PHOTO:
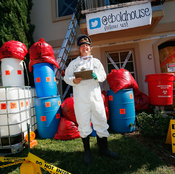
(94, 23)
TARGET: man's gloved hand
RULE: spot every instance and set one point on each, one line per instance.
(94, 76)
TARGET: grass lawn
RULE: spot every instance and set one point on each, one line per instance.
(135, 158)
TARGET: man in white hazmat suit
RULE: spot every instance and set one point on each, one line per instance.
(88, 102)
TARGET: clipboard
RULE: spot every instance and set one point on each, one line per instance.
(84, 74)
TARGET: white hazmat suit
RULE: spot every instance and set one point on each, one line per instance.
(88, 102)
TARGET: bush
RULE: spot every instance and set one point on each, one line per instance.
(15, 24)
(153, 125)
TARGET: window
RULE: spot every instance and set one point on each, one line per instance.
(65, 7)
(119, 58)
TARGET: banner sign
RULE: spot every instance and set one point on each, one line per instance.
(119, 19)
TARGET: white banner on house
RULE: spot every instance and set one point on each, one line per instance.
(119, 19)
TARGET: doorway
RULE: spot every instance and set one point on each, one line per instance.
(67, 90)
(167, 63)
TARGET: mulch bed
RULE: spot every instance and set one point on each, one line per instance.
(162, 150)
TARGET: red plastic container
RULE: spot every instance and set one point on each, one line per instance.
(160, 88)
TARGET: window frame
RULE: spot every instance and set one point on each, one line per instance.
(54, 13)
(137, 64)
(120, 62)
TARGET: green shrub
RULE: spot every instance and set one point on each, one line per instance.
(15, 24)
(154, 125)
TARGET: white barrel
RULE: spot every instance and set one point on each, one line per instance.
(15, 110)
(12, 72)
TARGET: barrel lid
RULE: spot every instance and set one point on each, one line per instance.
(160, 77)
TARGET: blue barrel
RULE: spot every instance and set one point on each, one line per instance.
(48, 115)
(45, 81)
(122, 110)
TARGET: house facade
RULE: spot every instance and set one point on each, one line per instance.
(141, 49)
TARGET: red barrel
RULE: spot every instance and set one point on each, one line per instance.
(160, 88)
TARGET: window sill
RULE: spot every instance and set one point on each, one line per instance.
(58, 19)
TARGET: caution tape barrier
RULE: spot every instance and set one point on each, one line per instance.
(36, 160)
(13, 159)
(11, 164)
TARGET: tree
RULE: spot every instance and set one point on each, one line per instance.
(15, 24)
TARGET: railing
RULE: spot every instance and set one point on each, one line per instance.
(91, 6)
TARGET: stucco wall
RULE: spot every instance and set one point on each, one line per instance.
(41, 17)
(146, 61)
(169, 12)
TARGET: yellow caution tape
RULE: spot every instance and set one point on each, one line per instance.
(11, 164)
(45, 165)
(36, 160)
(13, 159)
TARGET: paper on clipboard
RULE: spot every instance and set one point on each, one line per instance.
(84, 74)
